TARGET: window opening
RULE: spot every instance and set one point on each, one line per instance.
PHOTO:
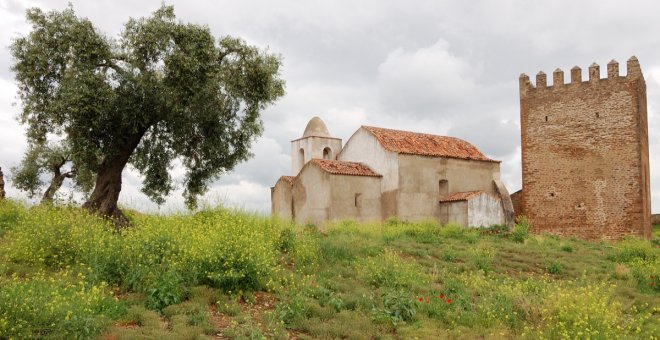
(301, 158)
(443, 187)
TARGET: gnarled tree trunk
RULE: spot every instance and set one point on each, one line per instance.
(105, 195)
(2, 185)
(56, 182)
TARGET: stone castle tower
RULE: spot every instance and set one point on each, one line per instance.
(316, 143)
(585, 154)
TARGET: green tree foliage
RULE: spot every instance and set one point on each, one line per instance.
(163, 90)
(48, 159)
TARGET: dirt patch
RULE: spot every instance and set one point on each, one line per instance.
(219, 321)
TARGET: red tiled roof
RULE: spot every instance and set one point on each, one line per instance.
(461, 196)
(345, 168)
(414, 143)
(289, 179)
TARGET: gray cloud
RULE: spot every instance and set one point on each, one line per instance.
(440, 67)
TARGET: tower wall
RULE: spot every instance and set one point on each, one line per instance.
(585, 158)
(312, 148)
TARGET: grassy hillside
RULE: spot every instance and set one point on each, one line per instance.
(218, 273)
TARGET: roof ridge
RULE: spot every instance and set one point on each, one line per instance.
(339, 167)
(426, 144)
(465, 195)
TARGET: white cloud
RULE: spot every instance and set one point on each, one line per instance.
(436, 66)
(424, 80)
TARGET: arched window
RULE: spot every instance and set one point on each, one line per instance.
(327, 153)
(301, 158)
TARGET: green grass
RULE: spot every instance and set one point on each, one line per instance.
(66, 274)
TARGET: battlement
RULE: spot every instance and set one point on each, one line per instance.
(634, 72)
(584, 145)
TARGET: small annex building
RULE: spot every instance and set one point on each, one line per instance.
(382, 173)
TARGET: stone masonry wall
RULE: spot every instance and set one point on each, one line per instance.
(585, 153)
(516, 200)
(655, 219)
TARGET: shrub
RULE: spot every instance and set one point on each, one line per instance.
(286, 241)
(294, 309)
(222, 249)
(585, 312)
(482, 257)
(388, 270)
(167, 289)
(621, 272)
(449, 255)
(58, 307)
(566, 247)
(632, 249)
(520, 230)
(305, 253)
(554, 267)
(495, 229)
(10, 213)
(56, 237)
(398, 308)
(454, 231)
(645, 273)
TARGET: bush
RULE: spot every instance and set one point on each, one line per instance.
(294, 309)
(632, 249)
(645, 273)
(585, 312)
(621, 272)
(286, 240)
(520, 230)
(222, 249)
(58, 307)
(554, 267)
(305, 253)
(566, 247)
(398, 308)
(167, 289)
(10, 213)
(482, 257)
(388, 270)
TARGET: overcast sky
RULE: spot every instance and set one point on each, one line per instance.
(441, 67)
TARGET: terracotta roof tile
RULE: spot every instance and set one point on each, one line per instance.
(414, 143)
(462, 196)
(289, 179)
(345, 168)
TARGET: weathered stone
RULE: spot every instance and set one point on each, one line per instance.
(516, 200)
(585, 155)
(382, 173)
(507, 204)
(655, 219)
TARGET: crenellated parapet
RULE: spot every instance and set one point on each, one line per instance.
(585, 152)
(634, 73)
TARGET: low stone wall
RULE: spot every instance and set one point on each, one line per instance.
(655, 219)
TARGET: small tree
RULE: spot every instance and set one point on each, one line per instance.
(47, 160)
(163, 90)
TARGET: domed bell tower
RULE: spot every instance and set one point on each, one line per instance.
(315, 143)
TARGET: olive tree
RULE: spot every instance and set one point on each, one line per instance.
(51, 160)
(160, 91)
